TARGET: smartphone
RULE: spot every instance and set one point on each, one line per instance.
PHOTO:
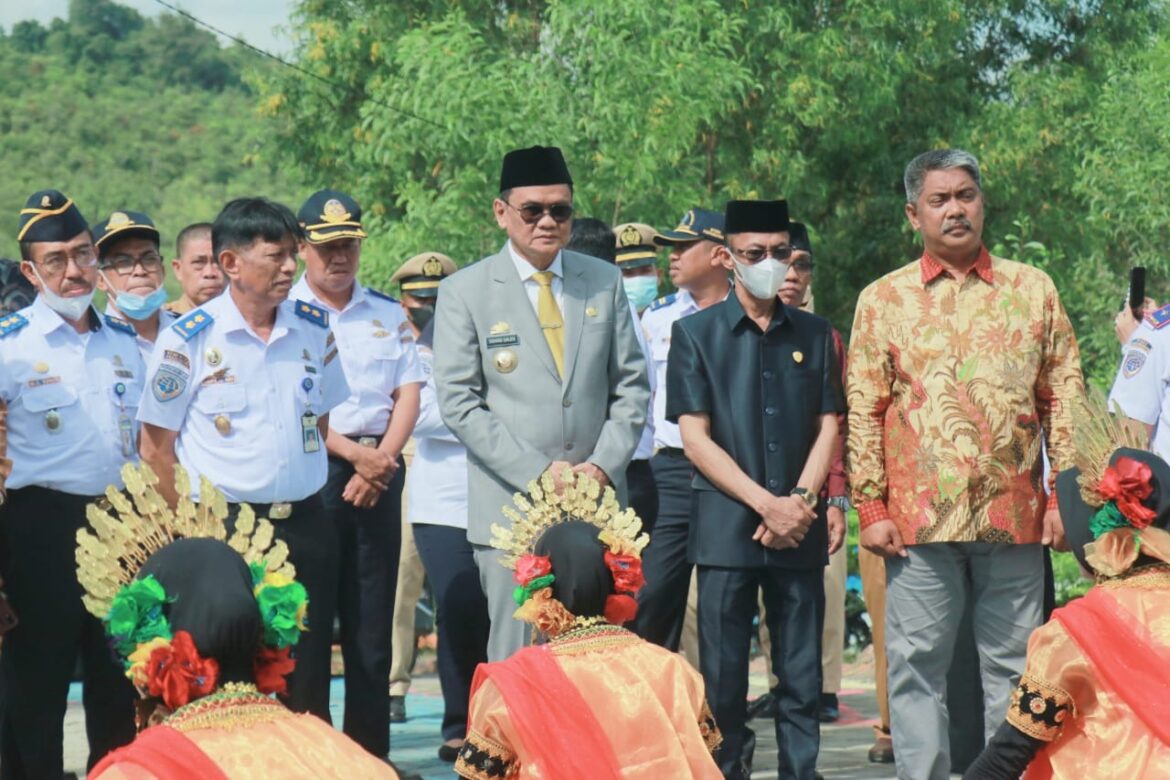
(1137, 290)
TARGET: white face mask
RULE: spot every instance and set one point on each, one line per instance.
(763, 279)
(71, 309)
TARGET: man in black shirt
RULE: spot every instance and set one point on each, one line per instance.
(755, 388)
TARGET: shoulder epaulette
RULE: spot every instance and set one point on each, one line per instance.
(1159, 318)
(665, 300)
(382, 295)
(314, 314)
(194, 321)
(120, 325)
(11, 323)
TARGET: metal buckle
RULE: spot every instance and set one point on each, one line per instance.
(368, 441)
(280, 511)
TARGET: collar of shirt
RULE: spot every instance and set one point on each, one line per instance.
(301, 291)
(932, 269)
(527, 269)
(45, 320)
(735, 315)
(228, 315)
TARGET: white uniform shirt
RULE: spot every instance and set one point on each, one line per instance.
(72, 399)
(645, 446)
(657, 321)
(436, 482)
(532, 287)
(239, 403)
(1142, 386)
(377, 352)
(145, 347)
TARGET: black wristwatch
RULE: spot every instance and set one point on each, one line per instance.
(806, 496)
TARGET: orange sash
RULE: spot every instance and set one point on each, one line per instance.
(165, 753)
(557, 729)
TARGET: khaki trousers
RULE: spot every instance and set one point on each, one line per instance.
(410, 583)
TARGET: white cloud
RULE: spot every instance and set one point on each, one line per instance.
(256, 21)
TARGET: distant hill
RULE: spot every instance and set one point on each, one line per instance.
(122, 111)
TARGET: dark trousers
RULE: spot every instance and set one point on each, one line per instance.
(794, 602)
(368, 543)
(462, 615)
(662, 602)
(643, 492)
(312, 549)
(38, 539)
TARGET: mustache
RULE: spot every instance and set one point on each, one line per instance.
(951, 224)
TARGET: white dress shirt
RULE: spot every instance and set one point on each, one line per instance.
(436, 482)
(72, 401)
(377, 352)
(527, 272)
(239, 402)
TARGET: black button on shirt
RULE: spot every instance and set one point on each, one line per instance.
(763, 392)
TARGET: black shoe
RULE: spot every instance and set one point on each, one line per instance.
(449, 753)
(766, 706)
(830, 711)
(398, 709)
(882, 751)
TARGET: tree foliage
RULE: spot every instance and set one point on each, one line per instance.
(663, 106)
(120, 111)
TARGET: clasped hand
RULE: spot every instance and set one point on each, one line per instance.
(786, 520)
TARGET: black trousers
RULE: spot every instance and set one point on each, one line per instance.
(313, 551)
(643, 492)
(794, 602)
(462, 615)
(662, 602)
(368, 543)
(38, 539)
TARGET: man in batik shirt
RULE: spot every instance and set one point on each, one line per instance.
(961, 364)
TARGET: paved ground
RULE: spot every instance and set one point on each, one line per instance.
(843, 744)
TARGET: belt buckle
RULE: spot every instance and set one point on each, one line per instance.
(368, 441)
(280, 511)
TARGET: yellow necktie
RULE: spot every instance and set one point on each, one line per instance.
(551, 321)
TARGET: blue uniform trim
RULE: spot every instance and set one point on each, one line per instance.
(11, 323)
(382, 295)
(120, 325)
(312, 313)
(665, 300)
(191, 324)
(1159, 318)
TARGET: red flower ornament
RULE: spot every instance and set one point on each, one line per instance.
(620, 608)
(271, 667)
(178, 674)
(627, 572)
(1127, 482)
(530, 566)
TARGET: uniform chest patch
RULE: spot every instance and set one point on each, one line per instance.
(1134, 360)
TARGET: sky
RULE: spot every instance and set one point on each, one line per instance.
(253, 20)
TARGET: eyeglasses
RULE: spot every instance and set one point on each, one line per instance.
(755, 254)
(532, 213)
(124, 264)
(56, 264)
(802, 266)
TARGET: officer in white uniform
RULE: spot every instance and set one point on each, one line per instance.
(702, 281)
(239, 391)
(1142, 386)
(367, 431)
(436, 506)
(132, 274)
(72, 385)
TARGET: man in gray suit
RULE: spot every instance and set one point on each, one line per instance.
(537, 366)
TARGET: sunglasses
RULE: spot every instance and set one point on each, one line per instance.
(532, 213)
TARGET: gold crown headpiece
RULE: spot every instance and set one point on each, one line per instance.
(581, 499)
(1099, 432)
(113, 549)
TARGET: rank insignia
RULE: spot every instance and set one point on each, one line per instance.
(11, 324)
(499, 327)
(312, 313)
(334, 211)
(194, 322)
(169, 382)
(665, 300)
(798, 356)
(41, 367)
(1159, 318)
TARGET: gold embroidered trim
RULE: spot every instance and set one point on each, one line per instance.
(1040, 710)
(712, 737)
(227, 711)
(590, 639)
(1151, 576)
(481, 758)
